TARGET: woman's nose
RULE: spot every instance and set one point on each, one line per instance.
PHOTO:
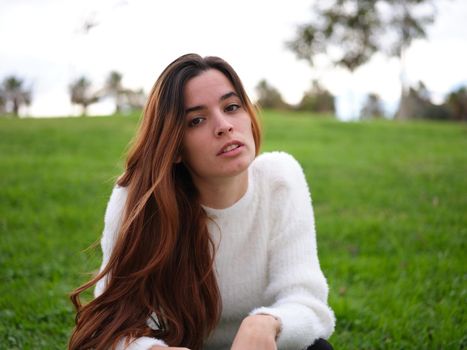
(223, 126)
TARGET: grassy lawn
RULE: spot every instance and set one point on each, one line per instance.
(390, 203)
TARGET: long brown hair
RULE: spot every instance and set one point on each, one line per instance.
(162, 261)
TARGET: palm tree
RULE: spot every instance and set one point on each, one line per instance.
(14, 93)
(114, 88)
(80, 94)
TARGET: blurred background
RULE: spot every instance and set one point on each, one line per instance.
(359, 55)
(389, 185)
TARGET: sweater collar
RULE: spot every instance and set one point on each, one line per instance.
(238, 206)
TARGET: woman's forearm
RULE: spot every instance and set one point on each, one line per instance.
(257, 332)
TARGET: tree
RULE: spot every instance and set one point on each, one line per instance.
(14, 94)
(135, 99)
(373, 107)
(114, 88)
(317, 99)
(343, 24)
(349, 32)
(2, 102)
(80, 94)
(269, 96)
(418, 105)
(456, 102)
(125, 99)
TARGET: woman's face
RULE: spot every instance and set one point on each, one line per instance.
(218, 141)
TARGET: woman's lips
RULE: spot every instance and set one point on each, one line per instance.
(230, 147)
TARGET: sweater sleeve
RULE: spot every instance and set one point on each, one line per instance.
(296, 283)
(112, 223)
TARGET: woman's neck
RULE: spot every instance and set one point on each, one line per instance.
(222, 193)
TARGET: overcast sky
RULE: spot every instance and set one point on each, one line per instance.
(44, 42)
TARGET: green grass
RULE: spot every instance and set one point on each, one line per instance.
(390, 203)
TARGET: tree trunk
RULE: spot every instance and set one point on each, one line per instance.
(117, 104)
(403, 112)
(15, 107)
(84, 110)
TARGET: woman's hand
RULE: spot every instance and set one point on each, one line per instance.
(257, 332)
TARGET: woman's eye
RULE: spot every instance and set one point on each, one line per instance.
(232, 107)
(195, 121)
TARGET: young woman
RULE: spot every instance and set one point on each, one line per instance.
(206, 245)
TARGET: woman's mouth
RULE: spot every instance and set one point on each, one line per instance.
(230, 147)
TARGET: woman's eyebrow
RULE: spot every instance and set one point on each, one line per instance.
(193, 109)
(222, 98)
(227, 95)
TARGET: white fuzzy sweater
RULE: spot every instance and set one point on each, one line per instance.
(266, 261)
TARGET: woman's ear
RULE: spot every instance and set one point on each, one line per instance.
(178, 160)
